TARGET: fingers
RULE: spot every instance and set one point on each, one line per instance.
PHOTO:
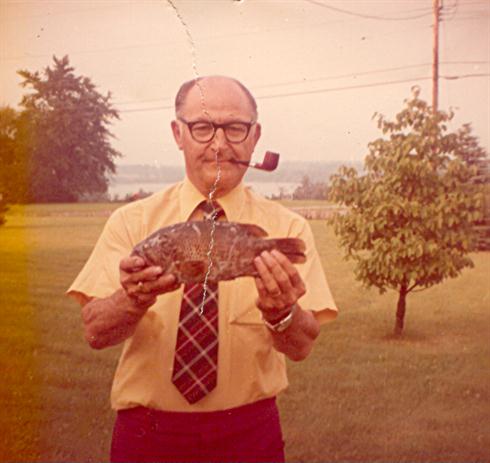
(264, 265)
(131, 281)
(265, 302)
(260, 287)
(279, 284)
(161, 285)
(144, 294)
(131, 264)
(294, 278)
(144, 283)
(278, 273)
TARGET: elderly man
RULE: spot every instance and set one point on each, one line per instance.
(198, 382)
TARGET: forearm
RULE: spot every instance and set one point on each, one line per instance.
(296, 342)
(109, 321)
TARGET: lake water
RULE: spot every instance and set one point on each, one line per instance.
(264, 188)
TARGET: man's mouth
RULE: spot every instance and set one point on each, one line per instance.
(231, 161)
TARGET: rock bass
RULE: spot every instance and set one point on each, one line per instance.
(182, 249)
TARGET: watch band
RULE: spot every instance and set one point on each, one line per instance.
(283, 323)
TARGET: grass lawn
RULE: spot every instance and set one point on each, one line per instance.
(361, 396)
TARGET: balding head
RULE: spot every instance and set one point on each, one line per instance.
(223, 103)
(201, 83)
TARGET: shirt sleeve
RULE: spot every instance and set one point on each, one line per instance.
(318, 297)
(100, 275)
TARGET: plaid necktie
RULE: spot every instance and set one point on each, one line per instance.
(196, 350)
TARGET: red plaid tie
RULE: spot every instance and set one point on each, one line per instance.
(196, 351)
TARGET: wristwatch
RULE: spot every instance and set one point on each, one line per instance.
(283, 323)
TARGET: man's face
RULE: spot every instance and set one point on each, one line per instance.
(220, 101)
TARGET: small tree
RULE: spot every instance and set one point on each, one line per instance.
(409, 217)
(68, 142)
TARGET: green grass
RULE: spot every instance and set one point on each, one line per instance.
(362, 395)
(18, 339)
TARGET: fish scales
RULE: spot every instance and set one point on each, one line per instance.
(182, 249)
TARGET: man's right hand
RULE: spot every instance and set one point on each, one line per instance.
(110, 320)
(143, 284)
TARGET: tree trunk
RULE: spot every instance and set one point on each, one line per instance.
(400, 310)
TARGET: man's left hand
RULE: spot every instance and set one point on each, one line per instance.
(279, 284)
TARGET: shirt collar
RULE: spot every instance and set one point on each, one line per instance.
(190, 197)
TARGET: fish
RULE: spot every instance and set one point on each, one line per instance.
(183, 249)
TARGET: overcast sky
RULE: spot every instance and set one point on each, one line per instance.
(319, 69)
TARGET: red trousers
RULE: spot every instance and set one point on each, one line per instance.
(251, 433)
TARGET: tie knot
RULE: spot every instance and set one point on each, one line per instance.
(211, 210)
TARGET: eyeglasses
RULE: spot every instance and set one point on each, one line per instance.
(204, 131)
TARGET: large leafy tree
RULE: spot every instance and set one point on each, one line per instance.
(13, 178)
(7, 137)
(409, 217)
(11, 159)
(67, 140)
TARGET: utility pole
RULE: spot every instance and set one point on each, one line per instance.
(435, 58)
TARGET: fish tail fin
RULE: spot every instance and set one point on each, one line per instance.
(292, 248)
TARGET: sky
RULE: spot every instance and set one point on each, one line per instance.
(318, 69)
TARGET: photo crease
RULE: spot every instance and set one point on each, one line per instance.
(212, 192)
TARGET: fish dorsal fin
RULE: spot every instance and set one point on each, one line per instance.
(254, 230)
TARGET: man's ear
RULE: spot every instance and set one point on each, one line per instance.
(257, 133)
(177, 132)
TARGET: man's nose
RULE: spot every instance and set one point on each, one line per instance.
(219, 138)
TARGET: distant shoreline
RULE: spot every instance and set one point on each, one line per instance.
(287, 172)
(268, 189)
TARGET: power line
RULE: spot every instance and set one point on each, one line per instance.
(374, 84)
(167, 43)
(338, 76)
(292, 82)
(144, 110)
(464, 76)
(149, 100)
(324, 90)
(159, 44)
(374, 71)
(367, 16)
(472, 18)
(215, 37)
(448, 15)
(81, 52)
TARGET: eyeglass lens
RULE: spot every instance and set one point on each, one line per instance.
(235, 132)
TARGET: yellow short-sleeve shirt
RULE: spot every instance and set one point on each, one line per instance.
(249, 368)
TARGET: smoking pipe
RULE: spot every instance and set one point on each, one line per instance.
(270, 162)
